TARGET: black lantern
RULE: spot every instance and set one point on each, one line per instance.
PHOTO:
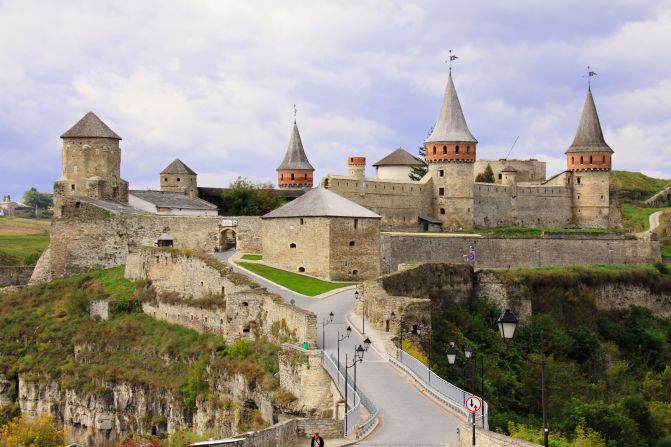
(507, 323)
(367, 343)
(451, 355)
(348, 330)
(359, 352)
(468, 352)
(331, 317)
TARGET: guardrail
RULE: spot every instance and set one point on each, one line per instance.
(442, 390)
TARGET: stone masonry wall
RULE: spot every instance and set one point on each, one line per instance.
(91, 238)
(567, 249)
(531, 170)
(302, 374)
(15, 276)
(400, 203)
(360, 260)
(662, 198)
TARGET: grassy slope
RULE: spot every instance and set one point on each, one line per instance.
(22, 240)
(251, 257)
(40, 325)
(639, 186)
(636, 217)
(20, 226)
(303, 284)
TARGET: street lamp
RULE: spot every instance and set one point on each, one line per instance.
(363, 308)
(400, 330)
(325, 322)
(358, 358)
(507, 323)
(348, 331)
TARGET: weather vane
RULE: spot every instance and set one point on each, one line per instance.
(590, 73)
(295, 112)
(452, 57)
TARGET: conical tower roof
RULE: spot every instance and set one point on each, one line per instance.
(589, 137)
(90, 126)
(178, 167)
(451, 124)
(295, 157)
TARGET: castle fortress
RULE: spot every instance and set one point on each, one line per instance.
(448, 197)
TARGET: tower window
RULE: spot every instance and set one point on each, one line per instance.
(590, 159)
(581, 160)
(178, 179)
(441, 173)
(500, 176)
(302, 221)
(456, 150)
(441, 191)
(351, 243)
(444, 149)
(72, 187)
(442, 211)
(577, 180)
(572, 160)
(281, 176)
(434, 150)
(305, 176)
(468, 149)
(292, 245)
(165, 179)
(578, 196)
(604, 159)
(356, 223)
(292, 176)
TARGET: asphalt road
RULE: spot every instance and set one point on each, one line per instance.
(408, 418)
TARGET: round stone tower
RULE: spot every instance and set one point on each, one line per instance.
(178, 177)
(356, 167)
(91, 164)
(450, 154)
(589, 160)
(295, 171)
(509, 176)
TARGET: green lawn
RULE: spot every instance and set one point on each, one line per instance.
(635, 216)
(526, 232)
(251, 257)
(24, 247)
(305, 285)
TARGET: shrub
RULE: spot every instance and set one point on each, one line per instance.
(39, 432)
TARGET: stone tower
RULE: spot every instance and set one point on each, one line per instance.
(589, 160)
(178, 177)
(450, 154)
(91, 164)
(295, 171)
(356, 167)
(509, 176)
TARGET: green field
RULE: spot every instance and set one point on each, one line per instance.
(635, 216)
(251, 257)
(24, 248)
(302, 284)
(636, 185)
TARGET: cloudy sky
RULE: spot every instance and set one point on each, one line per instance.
(214, 82)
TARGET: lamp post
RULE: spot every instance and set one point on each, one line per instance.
(325, 322)
(358, 358)
(348, 331)
(363, 308)
(451, 354)
(507, 323)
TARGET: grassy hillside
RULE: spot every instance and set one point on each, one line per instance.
(608, 372)
(40, 326)
(635, 185)
(22, 240)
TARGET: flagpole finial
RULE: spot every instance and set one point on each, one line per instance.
(450, 59)
(590, 73)
(295, 112)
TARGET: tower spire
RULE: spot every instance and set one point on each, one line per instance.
(451, 125)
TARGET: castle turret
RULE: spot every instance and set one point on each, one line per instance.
(91, 164)
(295, 170)
(589, 160)
(356, 167)
(509, 176)
(450, 153)
(178, 177)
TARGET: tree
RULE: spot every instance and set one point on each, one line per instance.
(39, 432)
(246, 198)
(487, 176)
(420, 171)
(36, 199)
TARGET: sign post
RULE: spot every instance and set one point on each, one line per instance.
(473, 404)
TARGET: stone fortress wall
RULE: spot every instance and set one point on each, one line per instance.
(552, 249)
(530, 170)
(662, 198)
(14, 276)
(398, 202)
(213, 298)
(89, 237)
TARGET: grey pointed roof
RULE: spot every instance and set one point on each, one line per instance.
(90, 126)
(178, 167)
(589, 137)
(451, 124)
(320, 202)
(295, 157)
(400, 157)
(508, 168)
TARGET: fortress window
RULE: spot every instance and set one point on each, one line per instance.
(281, 176)
(441, 191)
(603, 160)
(292, 245)
(302, 221)
(441, 173)
(434, 150)
(245, 304)
(578, 196)
(577, 179)
(444, 149)
(292, 176)
(351, 243)
(572, 160)
(500, 176)
(456, 150)
(442, 211)
(301, 269)
(78, 204)
(178, 179)
(356, 223)
(305, 176)
(72, 187)
(581, 160)
(590, 159)
(601, 196)
(165, 179)
(355, 273)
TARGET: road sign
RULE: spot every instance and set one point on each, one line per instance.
(473, 404)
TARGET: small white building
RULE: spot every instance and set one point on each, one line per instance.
(170, 203)
(397, 165)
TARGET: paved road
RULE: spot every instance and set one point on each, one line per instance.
(408, 418)
(653, 222)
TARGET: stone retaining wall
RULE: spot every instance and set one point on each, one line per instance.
(15, 276)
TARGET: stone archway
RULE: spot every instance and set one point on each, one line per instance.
(227, 238)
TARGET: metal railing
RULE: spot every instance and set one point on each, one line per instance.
(451, 395)
(352, 417)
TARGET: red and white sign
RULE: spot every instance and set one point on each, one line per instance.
(473, 404)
